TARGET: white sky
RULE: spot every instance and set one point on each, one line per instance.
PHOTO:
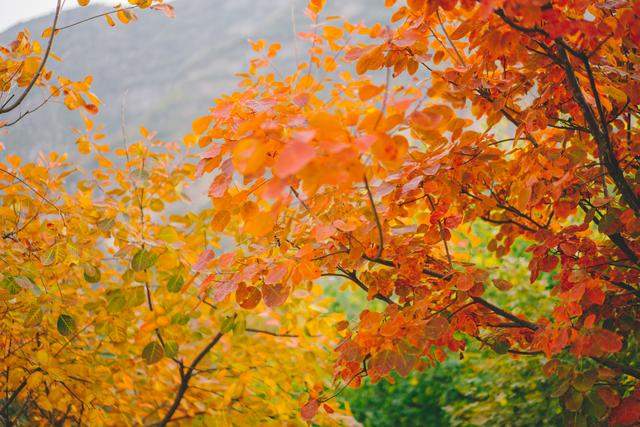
(14, 11)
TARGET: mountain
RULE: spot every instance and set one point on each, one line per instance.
(166, 71)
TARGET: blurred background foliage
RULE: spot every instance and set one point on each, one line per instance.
(480, 390)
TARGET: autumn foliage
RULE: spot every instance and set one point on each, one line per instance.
(369, 168)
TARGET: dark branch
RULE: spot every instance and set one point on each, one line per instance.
(377, 218)
(23, 95)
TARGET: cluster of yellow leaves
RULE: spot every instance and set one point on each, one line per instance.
(100, 301)
(24, 64)
(20, 63)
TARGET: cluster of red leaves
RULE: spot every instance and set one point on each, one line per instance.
(326, 173)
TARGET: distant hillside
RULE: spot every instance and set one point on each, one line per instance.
(170, 69)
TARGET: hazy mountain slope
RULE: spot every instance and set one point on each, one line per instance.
(170, 69)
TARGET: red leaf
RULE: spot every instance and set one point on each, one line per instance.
(607, 341)
(627, 413)
(276, 274)
(310, 409)
(464, 282)
(328, 408)
(404, 363)
(166, 9)
(275, 295)
(383, 362)
(203, 260)
(248, 297)
(223, 289)
(609, 396)
(436, 327)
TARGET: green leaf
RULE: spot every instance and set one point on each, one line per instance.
(106, 224)
(501, 347)
(142, 260)
(116, 302)
(135, 296)
(171, 348)
(227, 324)
(180, 319)
(573, 400)
(66, 325)
(152, 353)
(561, 388)
(128, 275)
(140, 174)
(595, 407)
(585, 381)
(54, 255)
(240, 326)
(610, 222)
(9, 283)
(168, 234)
(91, 273)
(175, 283)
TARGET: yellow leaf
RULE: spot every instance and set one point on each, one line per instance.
(168, 234)
(615, 93)
(156, 205)
(42, 356)
(34, 380)
(123, 16)
(110, 20)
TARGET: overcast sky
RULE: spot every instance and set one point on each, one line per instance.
(14, 11)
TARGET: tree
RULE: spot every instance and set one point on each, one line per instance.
(324, 172)
(477, 387)
(106, 315)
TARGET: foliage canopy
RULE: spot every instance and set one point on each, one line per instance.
(367, 163)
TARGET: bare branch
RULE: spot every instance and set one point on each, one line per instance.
(96, 16)
(377, 218)
(188, 374)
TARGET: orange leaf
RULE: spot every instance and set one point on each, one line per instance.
(463, 282)
(310, 409)
(275, 295)
(367, 92)
(294, 157)
(201, 124)
(249, 156)
(248, 297)
(436, 327)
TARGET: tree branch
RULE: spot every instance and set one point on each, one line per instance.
(377, 218)
(605, 148)
(186, 377)
(23, 95)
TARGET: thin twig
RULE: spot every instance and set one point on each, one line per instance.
(377, 218)
(111, 12)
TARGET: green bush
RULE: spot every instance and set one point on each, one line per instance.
(480, 390)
